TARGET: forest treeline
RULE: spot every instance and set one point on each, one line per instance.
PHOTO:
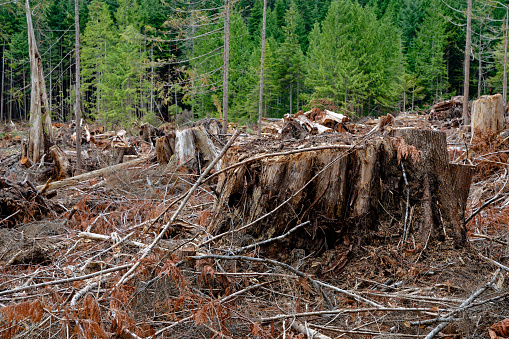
(143, 59)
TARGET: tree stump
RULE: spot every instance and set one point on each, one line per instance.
(360, 190)
(193, 147)
(487, 115)
(165, 148)
(63, 168)
(149, 133)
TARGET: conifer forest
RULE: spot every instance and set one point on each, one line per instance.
(150, 58)
(254, 169)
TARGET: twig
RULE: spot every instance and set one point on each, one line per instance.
(345, 311)
(245, 248)
(82, 292)
(487, 203)
(148, 249)
(316, 283)
(448, 316)
(477, 235)
(407, 203)
(61, 281)
(496, 263)
(101, 237)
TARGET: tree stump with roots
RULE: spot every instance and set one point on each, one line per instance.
(359, 192)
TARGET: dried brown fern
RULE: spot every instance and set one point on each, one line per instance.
(404, 151)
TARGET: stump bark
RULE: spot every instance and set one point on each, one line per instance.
(341, 192)
(487, 114)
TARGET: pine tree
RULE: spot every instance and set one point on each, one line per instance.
(428, 53)
(97, 46)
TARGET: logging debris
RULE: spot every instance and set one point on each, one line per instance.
(62, 269)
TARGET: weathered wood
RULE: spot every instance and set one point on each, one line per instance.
(193, 147)
(346, 192)
(94, 174)
(487, 114)
(40, 134)
(63, 168)
(165, 148)
(25, 161)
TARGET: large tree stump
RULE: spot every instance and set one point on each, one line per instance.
(360, 190)
(487, 114)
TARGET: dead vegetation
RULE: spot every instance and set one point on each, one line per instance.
(143, 250)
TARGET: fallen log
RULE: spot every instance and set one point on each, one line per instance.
(345, 192)
(86, 176)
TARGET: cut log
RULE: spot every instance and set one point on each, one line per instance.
(346, 192)
(63, 168)
(487, 115)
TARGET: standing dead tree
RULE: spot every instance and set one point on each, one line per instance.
(40, 135)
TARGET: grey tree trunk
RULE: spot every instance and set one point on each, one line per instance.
(466, 119)
(78, 88)
(262, 68)
(40, 117)
(504, 91)
(226, 63)
(2, 90)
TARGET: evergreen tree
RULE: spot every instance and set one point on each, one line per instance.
(428, 53)
(97, 46)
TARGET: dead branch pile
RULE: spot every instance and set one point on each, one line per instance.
(132, 254)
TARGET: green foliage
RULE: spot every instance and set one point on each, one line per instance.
(353, 59)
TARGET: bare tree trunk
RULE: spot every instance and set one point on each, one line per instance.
(78, 88)
(479, 79)
(12, 96)
(466, 119)
(262, 67)
(40, 117)
(2, 95)
(226, 63)
(504, 91)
